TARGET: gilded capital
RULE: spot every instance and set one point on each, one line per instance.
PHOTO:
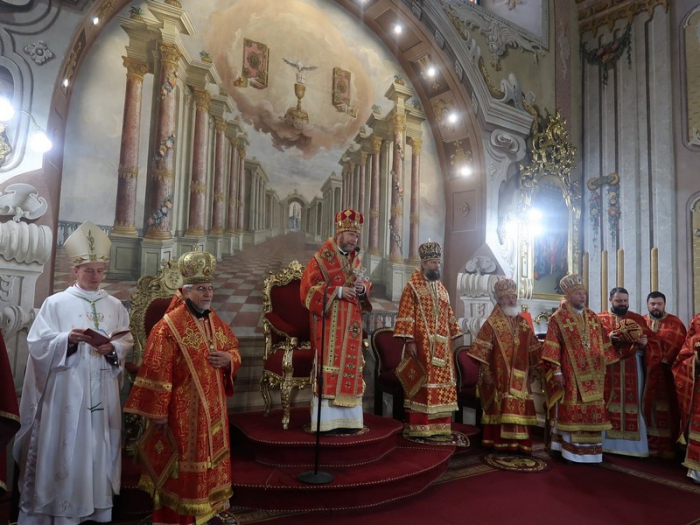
(202, 99)
(241, 153)
(170, 54)
(135, 69)
(376, 143)
(399, 122)
(233, 141)
(220, 124)
(416, 145)
(363, 157)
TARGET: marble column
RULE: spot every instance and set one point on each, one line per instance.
(217, 218)
(376, 144)
(414, 230)
(352, 192)
(345, 186)
(128, 172)
(396, 221)
(241, 190)
(198, 184)
(361, 173)
(232, 188)
(160, 183)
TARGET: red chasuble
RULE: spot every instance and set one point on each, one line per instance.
(175, 381)
(327, 271)
(688, 391)
(621, 381)
(576, 346)
(426, 317)
(660, 402)
(510, 349)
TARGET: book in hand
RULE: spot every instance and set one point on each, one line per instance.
(98, 338)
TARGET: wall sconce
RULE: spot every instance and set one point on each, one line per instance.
(38, 140)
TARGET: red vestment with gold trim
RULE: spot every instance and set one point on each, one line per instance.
(426, 317)
(688, 392)
(328, 271)
(509, 349)
(176, 381)
(576, 347)
(621, 381)
(660, 402)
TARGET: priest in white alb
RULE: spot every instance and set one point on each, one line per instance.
(68, 447)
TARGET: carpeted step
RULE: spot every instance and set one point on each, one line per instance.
(404, 471)
(264, 440)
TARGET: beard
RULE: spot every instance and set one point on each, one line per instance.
(619, 310)
(656, 313)
(510, 311)
(432, 275)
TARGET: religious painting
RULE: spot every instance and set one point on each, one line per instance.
(341, 92)
(691, 30)
(256, 57)
(550, 220)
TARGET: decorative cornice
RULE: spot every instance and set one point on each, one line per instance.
(593, 14)
(499, 35)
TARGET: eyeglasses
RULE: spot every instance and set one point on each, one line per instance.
(202, 289)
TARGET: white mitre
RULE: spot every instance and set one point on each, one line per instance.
(87, 244)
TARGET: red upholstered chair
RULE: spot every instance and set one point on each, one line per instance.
(387, 351)
(288, 359)
(467, 378)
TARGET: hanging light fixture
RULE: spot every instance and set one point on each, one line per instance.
(38, 140)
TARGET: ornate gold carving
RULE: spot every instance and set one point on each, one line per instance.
(416, 145)
(553, 159)
(73, 60)
(220, 124)
(173, 3)
(287, 381)
(105, 10)
(374, 214)
(399, 122)
(241, 153)
(135, 69)
(219, 196)
(163, 174)
(363, 157)
(376, 143)
(5, 147)
(415, 218)
(233, 141)
(396, 210)
(128, 173)
(197, 187)
(606, 13)
(170, 54)
(202, 99)
(461, 156)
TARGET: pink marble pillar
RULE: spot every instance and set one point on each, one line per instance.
(241, 189)
(414, 230)
(352, 193)
(361, 173)
(376, 145)
(198, 182)
(396, 220)
(232, 188)
(344, 200)
(217, 218)
(160, 183)
(128, 172)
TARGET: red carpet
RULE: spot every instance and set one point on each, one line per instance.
(370, 468)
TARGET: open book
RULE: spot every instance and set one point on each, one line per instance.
(98, 338)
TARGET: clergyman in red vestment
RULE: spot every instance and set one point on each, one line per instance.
(428, 326)
(575, 356)
(636, 345)
(660, 402)
(508, 351)
(685, 372)
(188, 367)
(335, 290)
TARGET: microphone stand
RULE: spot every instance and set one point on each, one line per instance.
(316, 477)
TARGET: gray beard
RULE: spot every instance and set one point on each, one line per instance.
(510, 311)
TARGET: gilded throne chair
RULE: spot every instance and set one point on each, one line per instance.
(288, 358)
